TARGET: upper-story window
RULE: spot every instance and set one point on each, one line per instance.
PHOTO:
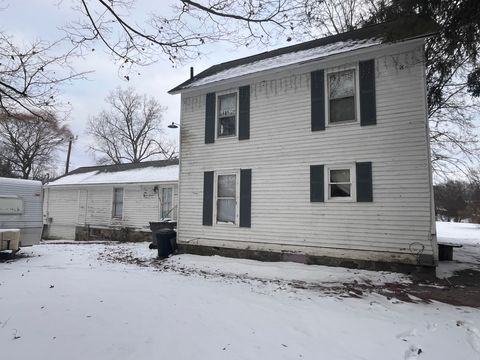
(227, 115)
(341, 97)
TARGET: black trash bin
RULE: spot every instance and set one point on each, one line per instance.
(157, 226)
(166, 242)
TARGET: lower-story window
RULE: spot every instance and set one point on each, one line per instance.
(226, 198)
(340, 182)
(117, 211)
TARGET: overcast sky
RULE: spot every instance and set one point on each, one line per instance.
(27, 20)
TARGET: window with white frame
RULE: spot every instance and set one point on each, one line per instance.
(226, 198)
(117, 211)
(341, 97)
(167, 202)
(340, 184)
(227, 115)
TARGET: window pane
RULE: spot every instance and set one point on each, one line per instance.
(167, 202)
(226, 210)
(226, 126)
(339, 190)
(342, 84)
(227, 105)
(118, 210)
(342, 110)
(226, 186)
(342, 175)
(118, 195)
(117, 202)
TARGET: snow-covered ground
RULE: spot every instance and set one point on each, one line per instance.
(458, 233)
(111, 301)
(466, 257)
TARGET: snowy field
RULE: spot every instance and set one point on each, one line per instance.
(110, 301)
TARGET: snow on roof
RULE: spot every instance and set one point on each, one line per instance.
(401, 29)
(141, 175)
(34, 183)
(287, 59)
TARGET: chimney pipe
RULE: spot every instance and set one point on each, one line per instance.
(191, 72)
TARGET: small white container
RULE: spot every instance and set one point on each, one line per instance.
(9, 239)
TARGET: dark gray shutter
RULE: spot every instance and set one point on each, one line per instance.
(364, 181)
(317, 183)
(245, 197)
(368, 107)
(210, 118)
(244, 113)
(208, 198)
(317, 99)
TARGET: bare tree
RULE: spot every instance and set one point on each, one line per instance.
(32, 76)
(330, 17)
(453, 74)
(29, 143)
(453, 135)
(130, 130)
(6, 167)
(180, 36)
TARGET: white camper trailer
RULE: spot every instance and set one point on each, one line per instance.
(20, 208)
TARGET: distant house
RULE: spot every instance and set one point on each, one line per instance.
(113, 202)
(316, 152)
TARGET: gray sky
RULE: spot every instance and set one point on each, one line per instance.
(28, 20)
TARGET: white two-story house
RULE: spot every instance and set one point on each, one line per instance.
(316, 152)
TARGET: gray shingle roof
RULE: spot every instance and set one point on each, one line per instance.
(399, 30)
(117, 168)
(124, 167)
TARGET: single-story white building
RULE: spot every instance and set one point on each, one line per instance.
(112, 201)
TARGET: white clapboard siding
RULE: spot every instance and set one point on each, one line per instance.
(70, 206)
(396, 226)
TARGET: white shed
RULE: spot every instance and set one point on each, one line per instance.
(112, 201)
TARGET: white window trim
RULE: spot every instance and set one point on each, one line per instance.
(161, 203)
(123, 203)
(221, 93)
(353, 178)
(356, 96)
(237, 197)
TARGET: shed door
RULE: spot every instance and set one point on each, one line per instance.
(82, 206)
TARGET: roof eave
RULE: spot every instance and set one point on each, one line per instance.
(421, 27)
(113, 183)
(180, 89)
(253, 75)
